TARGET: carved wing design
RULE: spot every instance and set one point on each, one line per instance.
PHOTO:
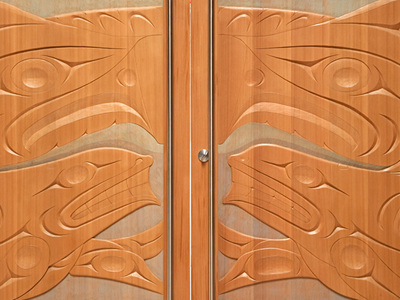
(73, 200)
(71, 76)
(330, 219)
(72, 79)
(330, 84)
(123, 259)
(258, 260)
(340, 93)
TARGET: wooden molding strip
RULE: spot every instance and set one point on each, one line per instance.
(190, 134)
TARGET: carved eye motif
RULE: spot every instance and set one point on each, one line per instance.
(35, 75)
(114, 263)
(76, 174)
(127, 77)
(305, 174)
(348, 75)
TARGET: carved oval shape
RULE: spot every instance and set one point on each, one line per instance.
(353, 257)
(304, 174)
(76, 174)
(127, 77)
(29, 255)
(273, 265)
(347, 74)
(34, 78)
(34, 75)
(347, 77)
(254, 77)
(113, 264)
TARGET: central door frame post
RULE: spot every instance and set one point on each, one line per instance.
(190, 195)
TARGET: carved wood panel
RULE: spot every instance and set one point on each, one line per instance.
(307, 127)
(82, 129)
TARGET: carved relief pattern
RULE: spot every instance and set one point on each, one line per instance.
(340, 93)
(62, 78)
(332, 82)
(72, 79)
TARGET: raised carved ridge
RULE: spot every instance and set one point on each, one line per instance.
(63, 78)
(73, 200)
(347, 236)
(290, 77)
(331, 84)
(82, 73)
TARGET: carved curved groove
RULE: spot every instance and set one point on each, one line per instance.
(306, 123)
(323, 80)
(72, 76)
(56, 76)
(331, 85)
(116, 22)
(123, 259)
(258, 260)
(94, 189)
(320, 210)
(245, 22)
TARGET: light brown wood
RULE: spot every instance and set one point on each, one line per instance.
(181, 230)
(322, 165)
(190, 135)
(200, 137)
(71, 86)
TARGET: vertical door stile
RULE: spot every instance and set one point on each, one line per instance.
(84, 156)
(190, 121)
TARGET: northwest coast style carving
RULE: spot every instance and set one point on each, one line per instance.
(80, 73)
(62, 78)
(332, 82)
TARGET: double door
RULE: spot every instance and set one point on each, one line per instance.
(104, 108)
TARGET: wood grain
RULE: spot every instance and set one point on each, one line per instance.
(65, 79)
(181, 173)
(200, 137)
(190, 135)
(328, 81)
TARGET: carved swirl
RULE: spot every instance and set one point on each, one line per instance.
(59, 88)
(346, 235)
(308, 82)
(328, 88)
(74, 75)
(117, 260)
(74, 199)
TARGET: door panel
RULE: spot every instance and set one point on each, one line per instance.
(83, 161)
(306, 127)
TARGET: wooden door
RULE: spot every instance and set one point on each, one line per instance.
(306, 157)
(307, 114)
(83, 157)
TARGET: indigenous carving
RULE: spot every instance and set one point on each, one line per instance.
(258, 260)
(62, 78)
(332, 82)
(77, 74)
(123, 259)
(346, 235)
(45, 224)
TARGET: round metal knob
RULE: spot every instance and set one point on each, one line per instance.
(203, 155)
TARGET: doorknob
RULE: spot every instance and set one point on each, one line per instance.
(203, 155)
